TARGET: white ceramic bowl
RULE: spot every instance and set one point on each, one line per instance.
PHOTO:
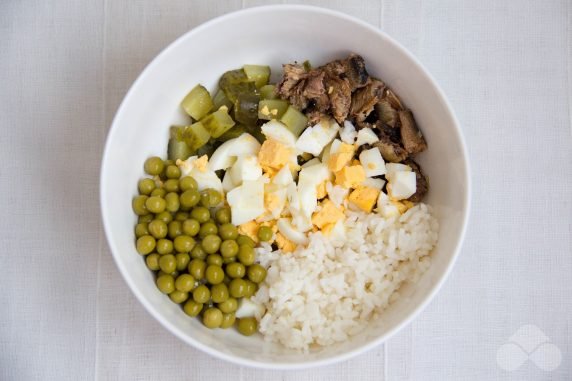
(274, 35)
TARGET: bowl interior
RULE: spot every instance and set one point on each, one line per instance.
(296, 34)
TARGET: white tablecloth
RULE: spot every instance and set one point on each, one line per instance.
(65, 312)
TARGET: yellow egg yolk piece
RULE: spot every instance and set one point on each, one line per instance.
(364, 198)
(201, 163)
(249, 229)
(350, 176)
(341, 158)
(329, 214)
(321, 190)
(273, 155)
(284, 243)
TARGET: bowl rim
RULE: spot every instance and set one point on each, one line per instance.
(287, 365)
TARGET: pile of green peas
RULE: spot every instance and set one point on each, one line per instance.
(200, 259)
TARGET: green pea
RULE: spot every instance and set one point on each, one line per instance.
(229, 260)
(228, 231)
(152, 261)
(186, 183)
(146, 186)
(172, 202)
(175, 229)
(246, 255)
(145, 244)
(154, 166)
(139, 205)
(256, 273)
(211, 243)
(191, 227)
(251, 288)
(141, 229)
(198, 252)
(184, 243)
(164, 216)
(237, 288)
(190, 198)
(214, 274)
(247, 326)
(245, 240)
(219, 292)
(145, 219)
(185, 283)
(179, 296)
(164, 246)
(168, 263)
(173, 172)
(201, 294)
(265, 233)
(210, 198)
(235, 270)
(155, 204)
(229, 248)
(169, 162)
(171, 185)
(228, 306)
(201, 214)
(214, 259)
(174, 274)
(183, 260)
(227, 320)
(166, 284)
(212, 318)
(158, 229)
(158, 192)
(197, 268)
(207, 228)
(223, 215)
(181, 216)
(192, 308)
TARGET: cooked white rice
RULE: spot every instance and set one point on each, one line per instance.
(330, 290)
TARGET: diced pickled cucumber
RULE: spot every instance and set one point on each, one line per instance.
(246, 109)
(234, 132)
(268, 92)
(271, 109)
(294, 120)
(177, 148)
(258, 74)
(197, 103)
(207, 149)
(217, 123)
(307, 65)
(235, 83)
(221, 100)
(196, 136)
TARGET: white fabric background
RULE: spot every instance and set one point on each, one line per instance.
(65, 312)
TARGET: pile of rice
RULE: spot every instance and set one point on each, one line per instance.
(331, 289)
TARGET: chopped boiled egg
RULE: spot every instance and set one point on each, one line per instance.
(341, 157)
(225, 155)
(205, 178)
(289, 232)
(246, 201)
(278, 132)
(350, 176)
(335, 146)
(386, 207)
(329, 214)
(348, 134)
(202, 163)
(245, 168)
(372, 161)
(274, 154)
(284, 243)
(249, 229)
(309, 179)
(337, 194)
(366, 136)
(315, 138)
(402, 185)
(391, 168)
(373, 183)
(321, 191)
(364, 198)
(311, 162)
(275, 200)
(283, 177)
(227, 183)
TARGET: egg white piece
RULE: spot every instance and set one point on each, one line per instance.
(385, 207)
(227, 183)
(308, 181)
(373, 183)
(248, 308)
(225, 155)
(311, 162)
(348, 134)
(205, 179)
(246, 201)
(402, 185)
(279, 132)
(283, 177)
(245, 168)
(366, 136)
(336, 193)
(372, 162)
(292, 234)
(315, 138)
(278, 195)
(391, 168)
